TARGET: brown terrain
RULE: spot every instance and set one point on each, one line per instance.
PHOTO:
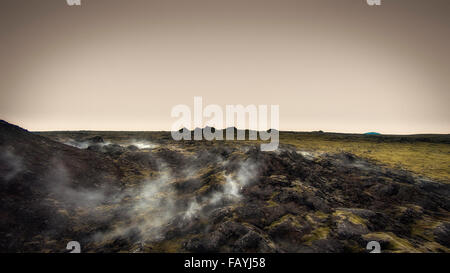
(144, 192)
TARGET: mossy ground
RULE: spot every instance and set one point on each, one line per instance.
(429, 159)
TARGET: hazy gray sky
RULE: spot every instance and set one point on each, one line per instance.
(330, 65)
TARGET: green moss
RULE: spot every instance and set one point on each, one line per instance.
(317, 234)
(355, 219)
(270, 202)
(394, 243)
(424, 229)
(287, 217)
(422, 158)
(433, 247)
(320, 214)
(203, 189)
(316, 218)
(168, 246)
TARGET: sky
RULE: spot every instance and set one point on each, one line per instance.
(338, 66)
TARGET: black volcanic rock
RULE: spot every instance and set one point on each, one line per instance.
(442, 233)
(95, 139)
